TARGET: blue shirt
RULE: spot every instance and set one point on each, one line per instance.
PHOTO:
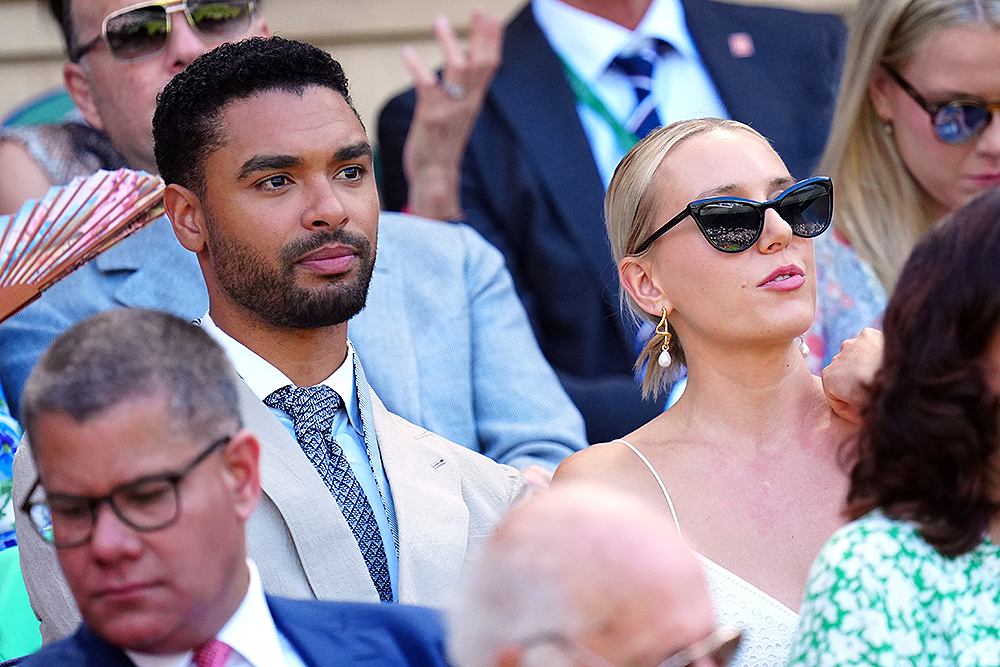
(348, 430)
(588, 44)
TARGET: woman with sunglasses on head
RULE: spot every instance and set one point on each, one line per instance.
(912, 141)
(713, 240)
(915, 579)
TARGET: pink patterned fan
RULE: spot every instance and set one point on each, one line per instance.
(47, 239)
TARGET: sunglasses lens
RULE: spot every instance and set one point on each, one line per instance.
(221, 19)
(807, 209)
(730, 226)
(137, 33)
(957, 122)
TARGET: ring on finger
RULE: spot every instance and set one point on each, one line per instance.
(453, 90)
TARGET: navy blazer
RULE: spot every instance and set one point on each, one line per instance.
(338, 634)
(530, 184)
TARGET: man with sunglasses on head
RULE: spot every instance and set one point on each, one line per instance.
(480, 381)
(147, 480)
(586, 575)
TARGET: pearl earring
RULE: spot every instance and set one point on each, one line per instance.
(803, 347)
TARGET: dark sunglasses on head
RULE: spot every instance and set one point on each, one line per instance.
(733, 224)
(955, 121)
(142, 30)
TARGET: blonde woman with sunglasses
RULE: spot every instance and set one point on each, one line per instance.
(713, 240)
(913, 139)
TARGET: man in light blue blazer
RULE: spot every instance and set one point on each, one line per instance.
(444, 339)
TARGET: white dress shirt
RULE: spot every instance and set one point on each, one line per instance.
(587, 43)
(251, 633)
(263, 379)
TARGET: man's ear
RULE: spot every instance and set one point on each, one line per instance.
(186, 215)
(78, 85)
(241, 456)
(642, 286)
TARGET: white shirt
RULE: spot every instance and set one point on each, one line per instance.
(256, 642)
(682, 87)
(263, 379)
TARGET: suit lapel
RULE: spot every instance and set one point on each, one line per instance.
(327, 550)
(535, 99)
(431, 514)
(159, 272)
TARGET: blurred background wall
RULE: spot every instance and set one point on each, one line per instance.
(366, 36)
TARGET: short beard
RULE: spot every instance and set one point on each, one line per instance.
(273, 295)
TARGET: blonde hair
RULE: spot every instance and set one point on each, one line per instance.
(630, 213)
(881, 209)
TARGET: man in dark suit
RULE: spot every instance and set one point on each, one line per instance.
(146, 480)
(535, 171)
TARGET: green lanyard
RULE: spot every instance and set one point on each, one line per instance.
(626, 140)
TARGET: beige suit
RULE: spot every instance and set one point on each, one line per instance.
(446, 498)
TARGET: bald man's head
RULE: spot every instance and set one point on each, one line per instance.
(586, 566)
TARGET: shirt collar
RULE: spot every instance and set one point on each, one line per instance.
(250, 631)
(589, 43)
(263, 378)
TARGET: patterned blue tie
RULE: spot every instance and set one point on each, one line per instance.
(639, 70)
(312, 410)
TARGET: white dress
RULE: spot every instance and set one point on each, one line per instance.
(768, 625)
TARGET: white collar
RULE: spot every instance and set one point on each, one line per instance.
(589, 43)
(250, 631)
(263, 378)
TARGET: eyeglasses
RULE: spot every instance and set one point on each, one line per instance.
(146, 504)
(142, 30)
(733, 224)
(955, 121)
(718, 647)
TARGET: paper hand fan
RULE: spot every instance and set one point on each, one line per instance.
(47, 239)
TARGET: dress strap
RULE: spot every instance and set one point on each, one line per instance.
(656, 476)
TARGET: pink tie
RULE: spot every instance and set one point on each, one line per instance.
(212, 654)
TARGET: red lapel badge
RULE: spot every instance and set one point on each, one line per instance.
(741, 45)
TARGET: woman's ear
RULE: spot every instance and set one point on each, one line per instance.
(642, 286)
(186, 215)
(879, 94)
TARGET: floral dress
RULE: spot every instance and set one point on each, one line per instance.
(878, 594)
(849, 297)
(10, 435)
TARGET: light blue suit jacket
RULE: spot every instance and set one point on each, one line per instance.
(444, 340)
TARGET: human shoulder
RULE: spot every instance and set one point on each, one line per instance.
(497, 483)
(399, 634)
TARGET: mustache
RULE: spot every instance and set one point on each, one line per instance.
(299, 247)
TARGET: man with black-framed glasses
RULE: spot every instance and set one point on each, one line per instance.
(586, 575)
(148, 520)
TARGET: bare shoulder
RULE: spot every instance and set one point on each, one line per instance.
(21, 177)
(592, 463)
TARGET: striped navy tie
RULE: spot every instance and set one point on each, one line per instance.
(638, 67)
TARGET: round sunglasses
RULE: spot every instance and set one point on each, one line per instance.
(733, 224)
(142, 30)
(955, 121)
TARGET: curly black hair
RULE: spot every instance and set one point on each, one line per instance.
(186, 122)
(928, 450)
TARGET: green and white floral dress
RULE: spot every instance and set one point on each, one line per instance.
(878, 594)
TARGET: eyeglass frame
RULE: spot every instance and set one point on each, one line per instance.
(169, 6)
(682, 658)
(932, 108)
(95, 503)
(761, 206)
